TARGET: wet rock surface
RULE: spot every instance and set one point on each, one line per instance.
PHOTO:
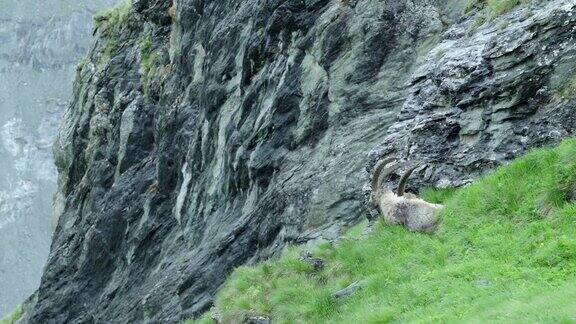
(215, 133)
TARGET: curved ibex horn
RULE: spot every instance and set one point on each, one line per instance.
(377, 176)
(404, 181)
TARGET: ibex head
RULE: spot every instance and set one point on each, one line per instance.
(398, 208)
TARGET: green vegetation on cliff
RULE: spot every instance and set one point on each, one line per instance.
(505, 252)
(109, 23)
(494, 7)
(148, 61)
(114, 17)
(12, 318)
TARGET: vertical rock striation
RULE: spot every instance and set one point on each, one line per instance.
(208, 134)
(212, 138)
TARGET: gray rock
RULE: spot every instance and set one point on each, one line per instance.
(316, 263)
(348, 291)
(257, 320)
(482, 283)
(481, 100)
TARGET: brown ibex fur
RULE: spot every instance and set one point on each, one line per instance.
(400, 208)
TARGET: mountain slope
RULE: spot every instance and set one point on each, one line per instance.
(204, 135)
(505, 251)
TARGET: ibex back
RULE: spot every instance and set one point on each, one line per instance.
(400, 208)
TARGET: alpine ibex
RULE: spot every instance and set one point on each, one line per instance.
(400, 208)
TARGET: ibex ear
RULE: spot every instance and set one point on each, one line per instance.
(404, 180)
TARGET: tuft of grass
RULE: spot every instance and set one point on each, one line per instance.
(473, 4)
(148, 60)
(109, 23)
(436, 195)
(495, 8)
(12, 318)
(495, 258)
(112, 19)
(109, 48)
(147, 56)
(498, 7)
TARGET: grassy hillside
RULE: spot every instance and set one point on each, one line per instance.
(505, 252)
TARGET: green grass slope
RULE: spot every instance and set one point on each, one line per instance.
(505, 252)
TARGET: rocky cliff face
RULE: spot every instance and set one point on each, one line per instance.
(40, 45)
(485, 97)
(208, 134)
